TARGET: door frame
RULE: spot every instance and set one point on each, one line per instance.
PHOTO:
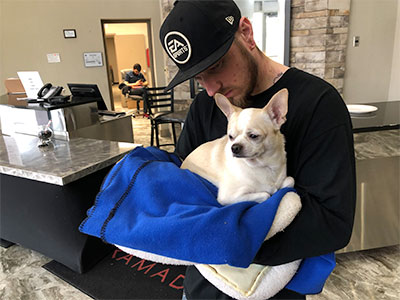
(150, 43)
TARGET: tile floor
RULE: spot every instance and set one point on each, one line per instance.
(366, 275)
(372, 274)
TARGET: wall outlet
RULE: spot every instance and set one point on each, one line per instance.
(356, 41)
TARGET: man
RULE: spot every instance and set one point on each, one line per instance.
(135, 84)
(134, 78)
(210, 41)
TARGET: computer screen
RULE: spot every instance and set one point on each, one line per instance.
(84, 90)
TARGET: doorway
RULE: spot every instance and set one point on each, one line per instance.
(126, 42)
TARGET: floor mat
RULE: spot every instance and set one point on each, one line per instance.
(123, 276)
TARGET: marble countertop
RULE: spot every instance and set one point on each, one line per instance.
(64, 162)
(60, 163)
(376, 144)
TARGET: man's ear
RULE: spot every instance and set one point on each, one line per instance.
(277, 108)
(225, 105)
(246, 33)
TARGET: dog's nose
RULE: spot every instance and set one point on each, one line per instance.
(236, 148)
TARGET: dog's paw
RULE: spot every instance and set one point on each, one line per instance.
(256, 197)
(240, 196)
(288, 182)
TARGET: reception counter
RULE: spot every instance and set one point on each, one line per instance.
(377, 152)
(77, 118)
(377, 218)
(45, 193)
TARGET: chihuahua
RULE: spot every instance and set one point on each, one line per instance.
(249, 163)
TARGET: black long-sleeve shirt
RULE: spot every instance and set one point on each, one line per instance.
(320, 157)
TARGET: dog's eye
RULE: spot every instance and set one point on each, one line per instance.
(230, 137)
(253, 136)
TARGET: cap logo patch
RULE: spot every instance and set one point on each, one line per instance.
(178, 47)
(230, 19)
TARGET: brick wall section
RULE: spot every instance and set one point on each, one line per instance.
(319, 40)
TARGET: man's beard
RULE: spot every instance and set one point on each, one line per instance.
(251, 73)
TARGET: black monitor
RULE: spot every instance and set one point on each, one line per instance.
(84, 90)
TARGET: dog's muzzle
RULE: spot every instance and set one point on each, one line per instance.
(236, 149)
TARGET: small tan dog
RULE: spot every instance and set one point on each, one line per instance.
(249, 163)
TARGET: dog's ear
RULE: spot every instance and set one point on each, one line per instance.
(277, 108)
(225, 105)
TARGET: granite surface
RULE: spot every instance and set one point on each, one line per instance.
(59, 163)
(377, 144)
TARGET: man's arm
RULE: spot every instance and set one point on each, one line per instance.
(138, 83)
(143, 81)
(324, 173)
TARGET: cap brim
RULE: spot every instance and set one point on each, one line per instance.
(182, 76)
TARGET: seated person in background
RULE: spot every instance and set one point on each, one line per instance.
(135, 82)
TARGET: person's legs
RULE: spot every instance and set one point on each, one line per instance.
(125, 90)
(140, 92)
(283, 294)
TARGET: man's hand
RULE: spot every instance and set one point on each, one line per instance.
(137, 83)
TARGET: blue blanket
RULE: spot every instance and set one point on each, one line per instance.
(148, 203)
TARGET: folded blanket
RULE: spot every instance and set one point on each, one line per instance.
(147, 203)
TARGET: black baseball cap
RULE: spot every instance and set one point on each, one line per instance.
(197, 33)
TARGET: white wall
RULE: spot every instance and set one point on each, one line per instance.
(372, 69)
(30, 29)
(127, 54)
(394, 89)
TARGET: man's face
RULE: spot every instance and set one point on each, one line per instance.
(136, 71)
(234, 75)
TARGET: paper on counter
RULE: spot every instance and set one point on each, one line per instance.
(31, 81)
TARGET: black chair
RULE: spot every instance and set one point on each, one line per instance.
(137, 98)
(160, 107)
